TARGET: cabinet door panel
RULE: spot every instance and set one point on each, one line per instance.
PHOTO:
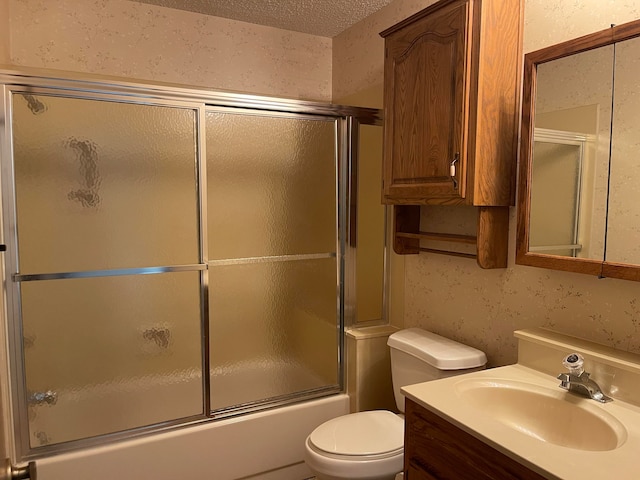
(425, 73)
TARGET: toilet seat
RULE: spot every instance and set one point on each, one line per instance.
(362, 436)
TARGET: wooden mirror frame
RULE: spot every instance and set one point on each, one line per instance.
(531, 61)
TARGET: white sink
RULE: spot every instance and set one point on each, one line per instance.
(552, 416)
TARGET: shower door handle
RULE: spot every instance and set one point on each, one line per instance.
(9, 472)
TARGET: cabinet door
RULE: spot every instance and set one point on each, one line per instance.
(425, 108)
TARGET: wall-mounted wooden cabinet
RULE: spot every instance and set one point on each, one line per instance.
(451, 93)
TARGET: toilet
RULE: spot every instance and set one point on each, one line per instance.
(370, 445)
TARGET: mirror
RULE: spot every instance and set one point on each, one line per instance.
(623, 222)
(572, 131)
(579, 179)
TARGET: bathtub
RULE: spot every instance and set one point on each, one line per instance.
(265, 445)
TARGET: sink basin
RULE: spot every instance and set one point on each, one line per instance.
(553, 416)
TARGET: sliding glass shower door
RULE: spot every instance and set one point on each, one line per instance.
(271, 190)
(172, 257)
(106, 198)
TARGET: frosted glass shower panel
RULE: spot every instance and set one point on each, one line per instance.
(273, 330)
(113, 353)
(271, 184)
(103, 184)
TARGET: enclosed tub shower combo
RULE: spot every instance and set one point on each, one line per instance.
(174, 258)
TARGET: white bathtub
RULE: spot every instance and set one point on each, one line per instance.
(262, 446)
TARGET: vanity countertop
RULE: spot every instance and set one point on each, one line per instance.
(449, 398)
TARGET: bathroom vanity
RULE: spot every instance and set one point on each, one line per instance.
(515, 422)
(436, 449)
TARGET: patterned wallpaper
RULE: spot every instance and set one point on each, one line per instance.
(358, 52)
(135, 40)
(4, 31)
(453, 296)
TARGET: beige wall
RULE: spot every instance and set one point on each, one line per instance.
(141, 41)
(4, 31)
(454, 297)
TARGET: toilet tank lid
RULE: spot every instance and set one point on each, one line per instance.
(439, 352)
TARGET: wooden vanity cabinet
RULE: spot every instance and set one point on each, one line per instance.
(438, 450)
(451, 100)
(451, 90)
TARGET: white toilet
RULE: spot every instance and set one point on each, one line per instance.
(370, 445)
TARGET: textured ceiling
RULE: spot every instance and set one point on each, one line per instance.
(326, 18)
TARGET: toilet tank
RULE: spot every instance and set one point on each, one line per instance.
(419, 356)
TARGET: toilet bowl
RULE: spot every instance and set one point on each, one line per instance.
(365, 446)
(370, 445)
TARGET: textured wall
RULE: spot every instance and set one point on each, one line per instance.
(135, 40)
(451, 295)
(358, 53)
(4, 31)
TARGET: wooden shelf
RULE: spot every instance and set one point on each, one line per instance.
(441, 237)
(447, 252)
(491, 240)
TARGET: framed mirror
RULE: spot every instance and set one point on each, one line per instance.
(579, 180)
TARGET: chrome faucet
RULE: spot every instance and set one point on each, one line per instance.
(578, 381)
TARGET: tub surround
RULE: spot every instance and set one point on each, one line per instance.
(540, 360)
(369, 368)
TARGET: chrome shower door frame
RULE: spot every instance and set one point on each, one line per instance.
(15, 397)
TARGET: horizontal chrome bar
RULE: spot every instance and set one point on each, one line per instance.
(272, 259)
(273, 402)
(108, 273)
(73, 82)
(167, 269)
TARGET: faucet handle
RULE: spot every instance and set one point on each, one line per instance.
(574, 362)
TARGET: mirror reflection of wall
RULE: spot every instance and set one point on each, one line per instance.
(569, 190)
(623, 224)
